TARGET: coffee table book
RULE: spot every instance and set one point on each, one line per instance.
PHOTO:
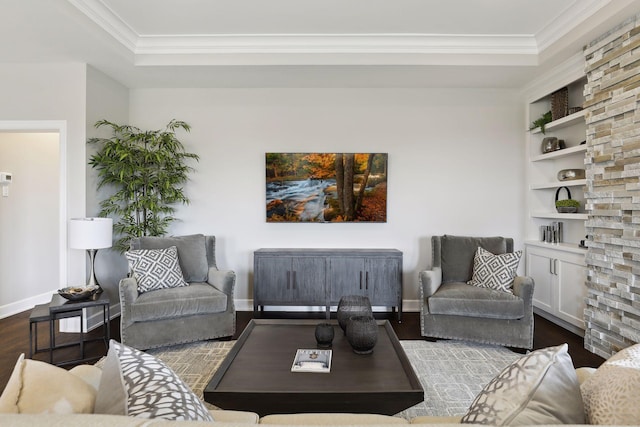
(308, 360)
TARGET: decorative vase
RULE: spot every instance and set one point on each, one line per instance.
(362, 334)
(352, 305)
(324, 334)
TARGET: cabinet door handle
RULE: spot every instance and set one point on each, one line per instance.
(366, 281)
(551, 266)
(555, 266)
(288, 279)
(361, 279)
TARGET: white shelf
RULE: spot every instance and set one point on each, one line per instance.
(564, 122)
(557, 184)
(560, 153)
(564, 247)
(556, 215)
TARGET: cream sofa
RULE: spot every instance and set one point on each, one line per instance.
(610, 392)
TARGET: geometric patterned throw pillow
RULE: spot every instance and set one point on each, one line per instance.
(155, 268)
(494, 271)
(539, 388)
(137, 384)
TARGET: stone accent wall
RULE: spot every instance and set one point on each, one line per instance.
(612, 194)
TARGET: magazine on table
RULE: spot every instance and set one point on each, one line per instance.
(312, 360)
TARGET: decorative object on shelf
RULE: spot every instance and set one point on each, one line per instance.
(78, 293)
(551, 233)
(571, 174)
(551, 143)
(352, 305)
(91, 234)
(560, 103)
(362, 334)
(541, 121)
(566, 205)
(324, 334)
(574, 110)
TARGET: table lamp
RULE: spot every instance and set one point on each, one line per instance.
(91, 234)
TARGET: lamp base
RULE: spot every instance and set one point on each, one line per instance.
(93, 282)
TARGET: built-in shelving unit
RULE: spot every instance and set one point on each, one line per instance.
(558, 269)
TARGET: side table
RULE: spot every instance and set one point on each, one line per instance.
(61, 308)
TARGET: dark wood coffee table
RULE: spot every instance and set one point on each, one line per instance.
(256, 375)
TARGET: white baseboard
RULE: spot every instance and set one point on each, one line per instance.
(25, 304)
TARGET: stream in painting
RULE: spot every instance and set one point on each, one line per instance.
(306, 198)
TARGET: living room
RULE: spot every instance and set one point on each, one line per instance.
(455, 136)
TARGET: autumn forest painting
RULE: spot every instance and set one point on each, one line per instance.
(326, 187)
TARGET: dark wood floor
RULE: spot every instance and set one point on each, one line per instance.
(14, 338)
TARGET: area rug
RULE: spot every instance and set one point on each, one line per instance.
(452, 373)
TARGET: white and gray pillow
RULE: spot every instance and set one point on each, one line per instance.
(495, 271)
(155, 268)
(611, 393)
(539, 388)
(137, 384)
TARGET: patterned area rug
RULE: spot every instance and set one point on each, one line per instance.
(452, 373)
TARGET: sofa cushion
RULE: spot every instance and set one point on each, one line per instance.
(197, 298)
(192, 253)
(495, 271)
(539, 388)
(457, 254)
(155, 268)
(37, 387)
(611, 393)
(137, 384)
(460, 299)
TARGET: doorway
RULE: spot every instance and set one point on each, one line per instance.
(33, 255)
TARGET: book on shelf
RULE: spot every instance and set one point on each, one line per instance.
(312, 360)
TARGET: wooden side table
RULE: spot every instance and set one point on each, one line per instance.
(61, 308)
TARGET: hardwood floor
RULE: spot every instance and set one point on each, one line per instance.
(14, 338)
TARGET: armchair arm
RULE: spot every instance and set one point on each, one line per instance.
(223, 280)
(430, 281)
(523, 287)
(128, 289)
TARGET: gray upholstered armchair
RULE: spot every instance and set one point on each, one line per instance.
(450, 308)
(201, 311)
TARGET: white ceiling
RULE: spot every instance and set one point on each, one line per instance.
(308, 43)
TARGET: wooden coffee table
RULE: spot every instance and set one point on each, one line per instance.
(256, 374)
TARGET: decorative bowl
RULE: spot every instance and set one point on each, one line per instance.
(571, 174)
(78, 293)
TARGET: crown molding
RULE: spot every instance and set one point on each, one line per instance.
(570, 18)
(109, 21)
(197, 49)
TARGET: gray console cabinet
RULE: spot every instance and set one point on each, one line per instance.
(320, 277)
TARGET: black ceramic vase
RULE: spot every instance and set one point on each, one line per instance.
(362, 334)
(350, 306)
(324, 334)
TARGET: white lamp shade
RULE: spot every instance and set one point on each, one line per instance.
(90, 233)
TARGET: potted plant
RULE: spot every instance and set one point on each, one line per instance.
(541, 122)
(567, 206)
(147, 171)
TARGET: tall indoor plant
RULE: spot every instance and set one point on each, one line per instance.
(147, 170)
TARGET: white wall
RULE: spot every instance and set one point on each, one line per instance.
(106, 99)
(455, 164)
(29, 216)
(52, 92)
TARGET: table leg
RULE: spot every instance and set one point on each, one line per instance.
(52, 337)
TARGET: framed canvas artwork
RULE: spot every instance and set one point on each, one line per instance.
(326, 187)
